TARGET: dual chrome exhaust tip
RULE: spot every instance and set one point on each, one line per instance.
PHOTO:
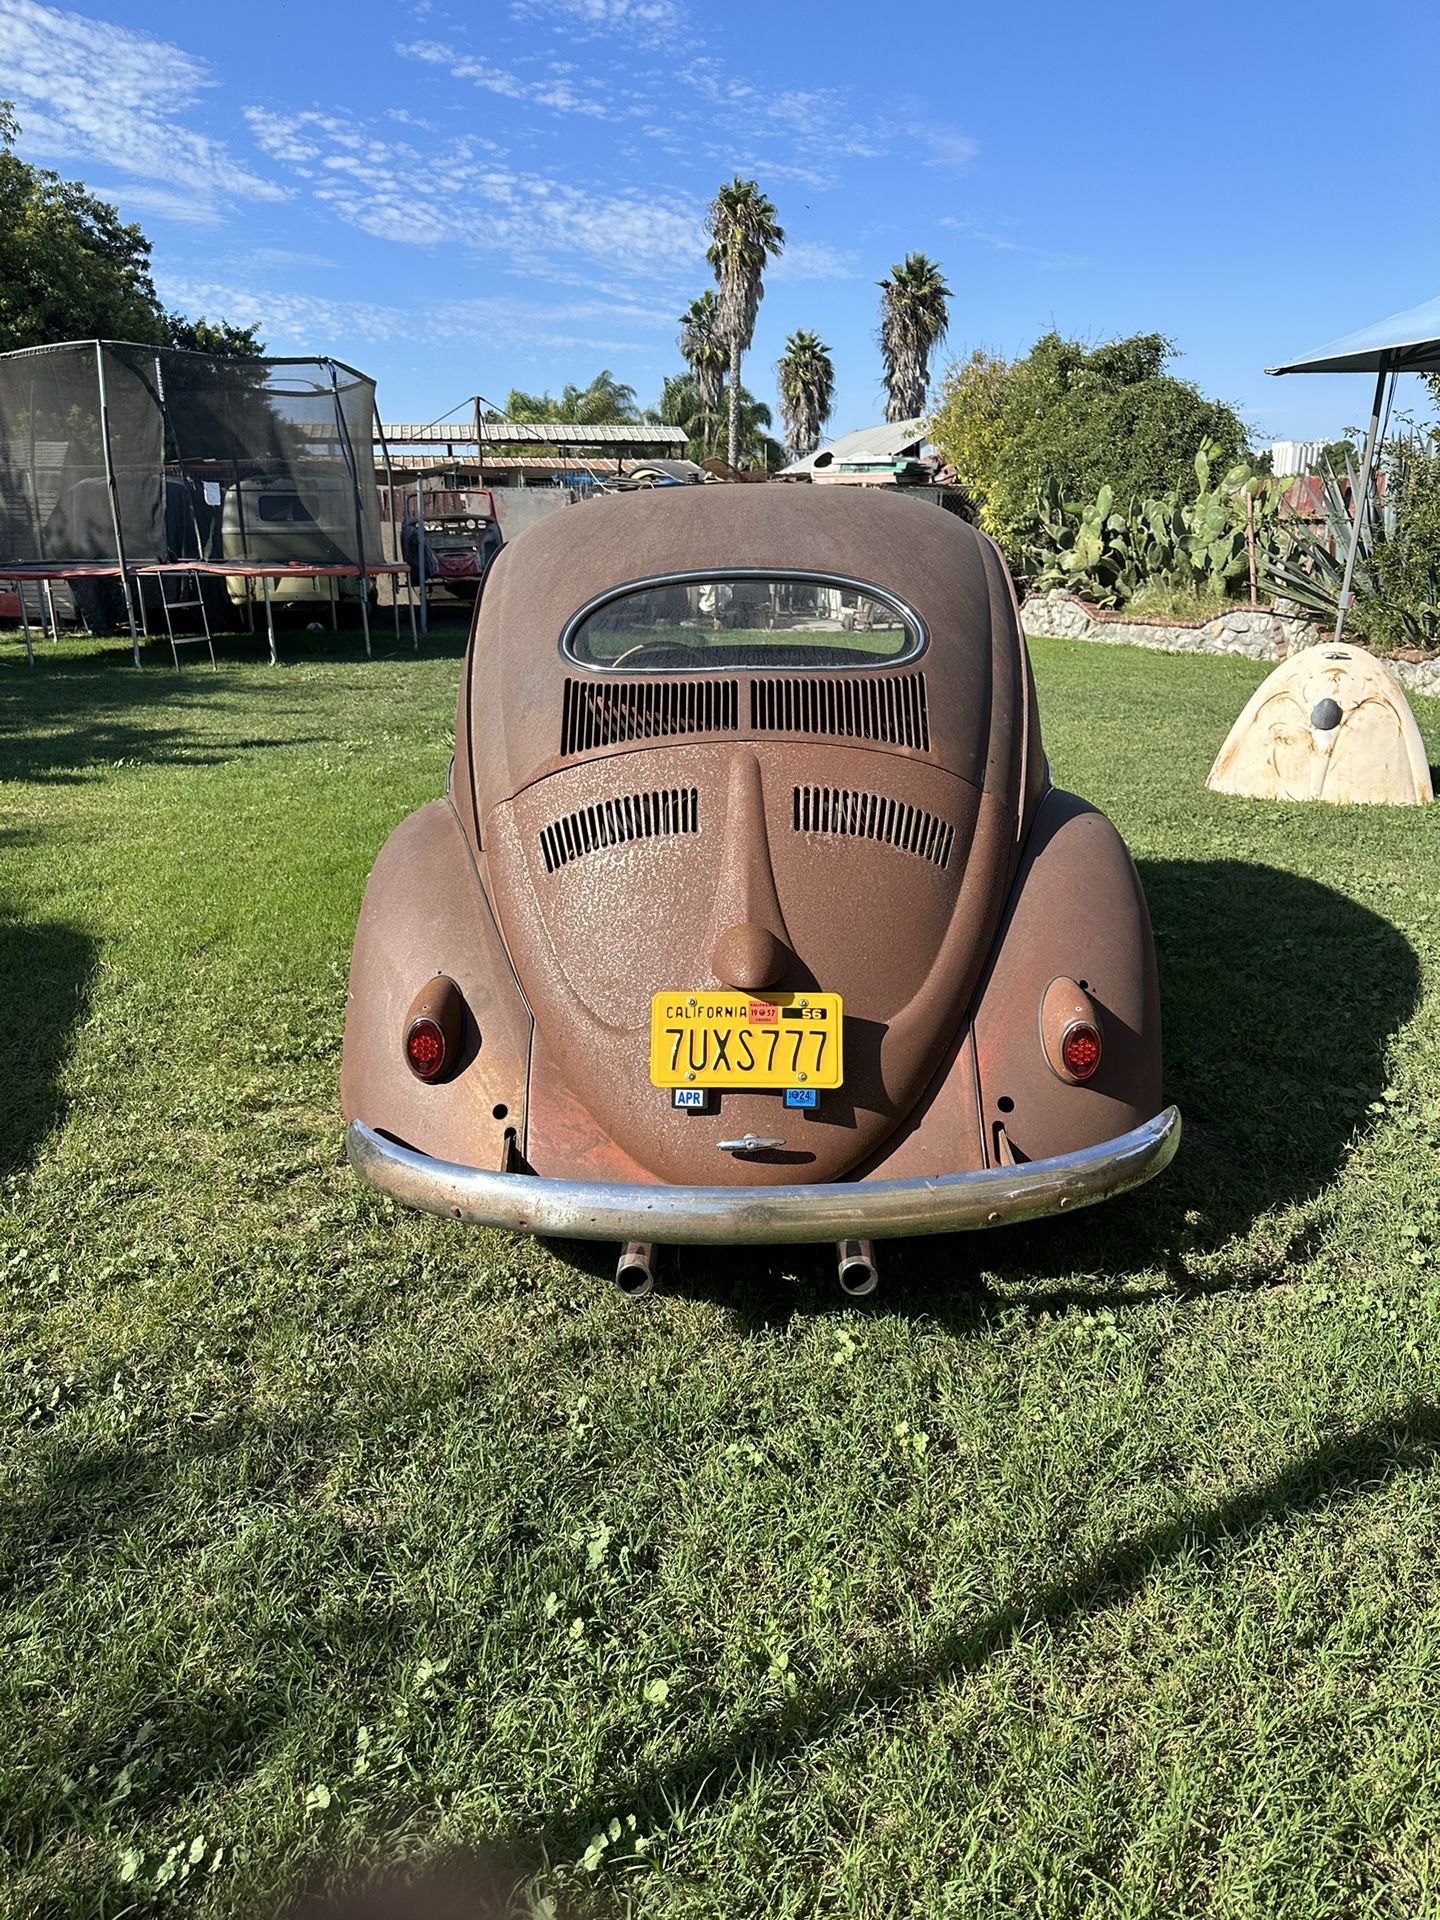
(855, 1268)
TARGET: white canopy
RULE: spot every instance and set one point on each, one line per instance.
(1406, 342)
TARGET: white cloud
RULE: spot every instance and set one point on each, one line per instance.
(289, 319)
(813, 260)
(814, 128)
(947, 147)
(646, 20)
(159, 203)
(291, 257)
(89, 91)
(461, 193)
(804, 112)
(1044, 259)
(558, 92)
(696, 109)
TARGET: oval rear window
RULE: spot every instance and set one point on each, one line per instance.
(709, 622)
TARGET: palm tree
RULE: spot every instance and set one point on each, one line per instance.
(743, 236)
(605, 400)
(705, 353)
(680, 406)
(806, 379)
(914, 313)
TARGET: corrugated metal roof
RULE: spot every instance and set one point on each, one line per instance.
(891, 440)
(411, 463)
(529, 433)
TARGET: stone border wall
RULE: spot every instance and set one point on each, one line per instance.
(1255, 633)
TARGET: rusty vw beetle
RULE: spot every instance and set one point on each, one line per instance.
(751, 914)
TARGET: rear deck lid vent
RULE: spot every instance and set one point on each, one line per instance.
(873, 816)
(610, 823)
(889, 708)
(611, 712)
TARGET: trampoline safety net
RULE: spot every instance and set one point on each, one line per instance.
(115, 455)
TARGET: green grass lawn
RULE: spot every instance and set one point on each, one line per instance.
(1089, 1570)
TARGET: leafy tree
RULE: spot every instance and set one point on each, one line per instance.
(71, 269)
(914, 316)
(603, 402)
(1080, 417)
(969, 424)
(216, 337)
(744, 236)
(805, 375)
(680, 406)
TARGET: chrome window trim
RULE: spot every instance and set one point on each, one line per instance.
(692, 576)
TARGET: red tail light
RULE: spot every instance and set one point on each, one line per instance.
(1070, 1031)
(425, 1048)
(434, 1030)
(1080, 1049)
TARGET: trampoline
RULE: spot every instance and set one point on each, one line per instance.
(143, 480)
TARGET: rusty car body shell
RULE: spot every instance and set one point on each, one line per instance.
(888, 832)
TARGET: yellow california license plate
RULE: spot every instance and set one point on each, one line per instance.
(726, 1039)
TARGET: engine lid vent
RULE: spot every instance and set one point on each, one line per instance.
(874, 816)
(608, 713)
(888, 708)
(610, 823)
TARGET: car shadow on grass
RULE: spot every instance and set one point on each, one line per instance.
(46, 967)
(88, 1509)
(1344, 1467)
(1279, 999)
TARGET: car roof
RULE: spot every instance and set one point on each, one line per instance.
(928, 559)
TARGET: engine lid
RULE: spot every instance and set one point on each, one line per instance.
(751, 866)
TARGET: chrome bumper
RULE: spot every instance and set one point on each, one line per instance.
(764, 1216)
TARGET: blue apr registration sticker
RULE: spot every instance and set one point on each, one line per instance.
(694, 1099)
(801, 1096)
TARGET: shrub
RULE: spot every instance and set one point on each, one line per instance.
(1407, 562)
(1080, 418)
(1396, 585)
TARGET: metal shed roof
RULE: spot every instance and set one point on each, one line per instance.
(890, 440)
(531, 433)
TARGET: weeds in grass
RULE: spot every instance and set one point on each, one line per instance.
(1163, 600)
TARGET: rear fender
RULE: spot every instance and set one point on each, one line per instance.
(425, 913)
(1076, 911)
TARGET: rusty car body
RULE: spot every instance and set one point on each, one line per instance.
(732, 762)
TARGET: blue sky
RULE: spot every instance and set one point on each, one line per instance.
(463, 198)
